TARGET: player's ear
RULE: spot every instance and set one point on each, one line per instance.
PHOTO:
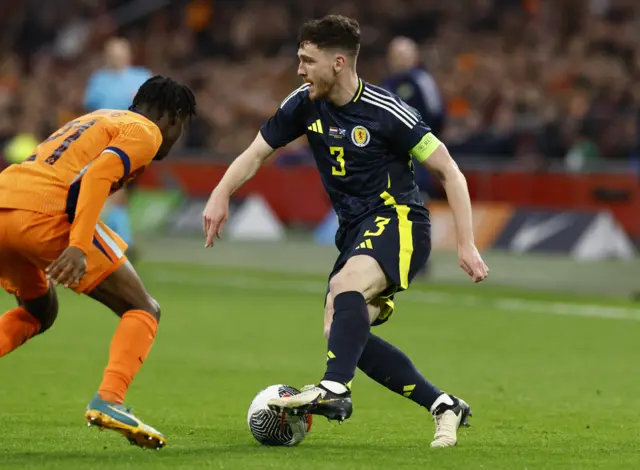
(339, 62)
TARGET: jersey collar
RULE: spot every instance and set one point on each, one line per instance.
(356, 97)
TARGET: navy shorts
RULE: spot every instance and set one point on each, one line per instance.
(399, 239)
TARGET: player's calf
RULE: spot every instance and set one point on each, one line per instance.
(17, 326)
(30, 318)
(347, 337)
(124, 293)
(122, 296)
(392, 369)
(361, 279)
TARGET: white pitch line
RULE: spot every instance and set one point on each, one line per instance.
(507, 304)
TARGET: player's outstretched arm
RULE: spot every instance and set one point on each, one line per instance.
(440, 163)
(244, 167)
(239, 172)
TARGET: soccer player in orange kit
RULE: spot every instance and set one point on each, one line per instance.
(50, 234)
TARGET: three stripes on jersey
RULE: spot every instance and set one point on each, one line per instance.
(406, 116)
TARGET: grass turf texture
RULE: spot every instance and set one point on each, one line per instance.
(551, 382)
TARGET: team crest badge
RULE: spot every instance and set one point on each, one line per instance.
(360, 136)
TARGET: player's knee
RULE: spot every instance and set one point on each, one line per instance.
(345, 281)
(156, 310)
(361, 274)
(151, 306)
(44, 309)
(45, 316)
(145, 303)
(349, 280)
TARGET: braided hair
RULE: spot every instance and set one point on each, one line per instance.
(165, 95)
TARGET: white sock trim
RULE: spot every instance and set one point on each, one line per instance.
(442, 399)
(335, 387)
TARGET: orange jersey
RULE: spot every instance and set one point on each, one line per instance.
(77, 167)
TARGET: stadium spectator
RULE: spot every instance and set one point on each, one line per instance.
(519, 78)
(412, 82)
(113, 87)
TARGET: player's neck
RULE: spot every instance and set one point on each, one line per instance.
(344, 90)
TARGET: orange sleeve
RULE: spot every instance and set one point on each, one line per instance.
(134, 147)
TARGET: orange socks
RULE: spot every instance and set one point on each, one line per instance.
(129, 349)
(16, 327)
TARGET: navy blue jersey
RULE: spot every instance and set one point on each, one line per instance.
(361, 149)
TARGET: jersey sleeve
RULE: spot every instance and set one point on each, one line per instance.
(288, 123)
(411, 135)
(134, 147)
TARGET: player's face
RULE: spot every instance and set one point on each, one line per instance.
(171, 132)
(318, 68)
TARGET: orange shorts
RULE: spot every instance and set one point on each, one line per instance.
(30, 241)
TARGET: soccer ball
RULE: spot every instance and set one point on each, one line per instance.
(271, 428)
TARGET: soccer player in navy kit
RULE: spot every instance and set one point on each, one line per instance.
(362, 138)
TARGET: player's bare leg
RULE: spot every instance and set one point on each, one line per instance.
(124, 293)
(392, 369)
(30, 318)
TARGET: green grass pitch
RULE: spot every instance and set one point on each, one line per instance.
(553, 382)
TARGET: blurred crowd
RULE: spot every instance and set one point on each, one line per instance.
(526, 81)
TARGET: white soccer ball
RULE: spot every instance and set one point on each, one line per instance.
(271, 428)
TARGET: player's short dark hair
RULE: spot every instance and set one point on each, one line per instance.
(166, 96)
(332, 32)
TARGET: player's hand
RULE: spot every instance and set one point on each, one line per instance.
(69, 268)
(214, 216)
(471, 262)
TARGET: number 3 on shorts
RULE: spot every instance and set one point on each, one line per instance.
(381, 223)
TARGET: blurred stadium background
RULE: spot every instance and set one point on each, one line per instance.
(537, 100)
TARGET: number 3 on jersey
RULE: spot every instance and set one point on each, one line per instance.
(338, 152)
